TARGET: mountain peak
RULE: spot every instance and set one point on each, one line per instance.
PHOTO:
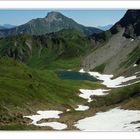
(54, 14)
(53, 22)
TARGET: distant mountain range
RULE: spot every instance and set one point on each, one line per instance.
(7, 26)
(53, 22)
(1, 27)
(106, 27)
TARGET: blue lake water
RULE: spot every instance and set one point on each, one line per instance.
(72, 75)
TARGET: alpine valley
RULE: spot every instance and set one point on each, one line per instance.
(56, 74)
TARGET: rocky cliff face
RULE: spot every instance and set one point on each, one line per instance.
(118, 49)
(131, 23)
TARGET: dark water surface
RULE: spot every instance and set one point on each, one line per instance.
(72, 75)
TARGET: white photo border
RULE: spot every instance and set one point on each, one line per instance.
(68, 5)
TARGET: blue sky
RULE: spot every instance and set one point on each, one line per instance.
(86, 17)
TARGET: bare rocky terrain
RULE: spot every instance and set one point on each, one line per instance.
(113, 54)
(118, 49)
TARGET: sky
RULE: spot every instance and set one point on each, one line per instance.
(86, 17)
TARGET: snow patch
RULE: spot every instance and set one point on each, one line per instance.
(82, 71)
(54, 125)
(82, 108)
(46, 115)
(111, 83)
(112, 120)
(86, 93)
(135, 65)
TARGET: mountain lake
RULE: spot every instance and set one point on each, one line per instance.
(72, 75)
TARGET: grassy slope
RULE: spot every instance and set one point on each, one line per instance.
(24, 90)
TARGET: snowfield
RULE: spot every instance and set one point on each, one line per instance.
(111, 83)
(86, 93)
(46, 115)
(113, 120)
